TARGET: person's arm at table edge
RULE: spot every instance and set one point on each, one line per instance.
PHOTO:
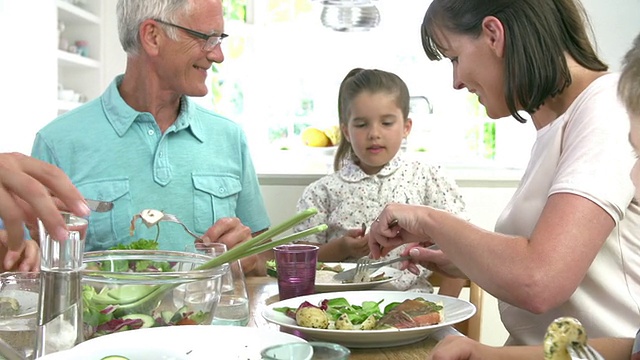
(613, 348)
(458, 347)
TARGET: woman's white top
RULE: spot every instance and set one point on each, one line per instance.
(585, 152)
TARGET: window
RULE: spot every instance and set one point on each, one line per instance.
(282, 71)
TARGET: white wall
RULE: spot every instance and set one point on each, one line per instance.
(114, 57)
(28, 71)
(615, 24)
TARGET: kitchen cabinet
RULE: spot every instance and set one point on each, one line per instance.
(79, 54)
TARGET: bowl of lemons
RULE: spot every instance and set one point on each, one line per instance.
(322, 140)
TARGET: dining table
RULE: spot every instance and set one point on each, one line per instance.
(263, 291)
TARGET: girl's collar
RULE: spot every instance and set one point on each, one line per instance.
(351, 172)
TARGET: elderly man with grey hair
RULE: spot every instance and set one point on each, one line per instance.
(144, 144)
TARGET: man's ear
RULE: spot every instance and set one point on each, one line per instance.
(150, 36)
(493, 33)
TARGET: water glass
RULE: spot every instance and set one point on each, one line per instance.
(296, 267)
(306, 351)
(18, 308)
(233, 307)
(60, 293)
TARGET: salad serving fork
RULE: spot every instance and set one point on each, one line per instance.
(173, 218)
(151, 217)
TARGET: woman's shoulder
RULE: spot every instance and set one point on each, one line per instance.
(603, 88)
(597, 102)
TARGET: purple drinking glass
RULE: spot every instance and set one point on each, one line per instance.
(296, 267)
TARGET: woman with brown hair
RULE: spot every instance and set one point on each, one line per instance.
(567, 243)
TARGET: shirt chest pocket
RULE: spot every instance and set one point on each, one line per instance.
(109, 228)
(215, 197)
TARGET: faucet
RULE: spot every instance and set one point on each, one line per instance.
(423, 98)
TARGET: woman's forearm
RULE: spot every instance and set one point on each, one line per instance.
(612, 348)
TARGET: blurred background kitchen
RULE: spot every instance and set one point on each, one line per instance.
(284, 62)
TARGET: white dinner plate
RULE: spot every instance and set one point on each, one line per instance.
(325, 282)
(194, 342)
(455, 311)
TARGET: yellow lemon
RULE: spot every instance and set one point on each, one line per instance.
(315, 137)
(333, 133)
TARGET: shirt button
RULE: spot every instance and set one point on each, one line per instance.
(221, 189)
(150, 132)
(161, 153)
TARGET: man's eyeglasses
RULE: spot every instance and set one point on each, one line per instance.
(210, 41)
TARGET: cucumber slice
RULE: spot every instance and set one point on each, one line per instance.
(166, 316)
(147, 321)
(114, 357)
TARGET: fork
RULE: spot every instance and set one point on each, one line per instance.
(173, 218)
(362, 270)
(577, 351)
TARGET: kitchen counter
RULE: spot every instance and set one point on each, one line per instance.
(300, 168)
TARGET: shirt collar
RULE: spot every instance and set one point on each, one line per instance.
(351, 172)
(121, 116)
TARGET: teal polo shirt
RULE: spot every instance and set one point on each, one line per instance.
(200, 169)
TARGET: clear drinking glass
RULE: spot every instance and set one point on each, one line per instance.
(60, 297)
(233, 307)
(18, 309)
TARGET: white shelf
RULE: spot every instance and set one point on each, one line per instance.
(67, 59)
(70, 13)
(82, 74)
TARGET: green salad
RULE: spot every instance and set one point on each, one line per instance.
(337, 313)
(101, 315)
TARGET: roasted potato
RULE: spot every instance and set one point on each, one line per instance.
(343, 323)
(312, 317)
(560, 333)
(369, 323)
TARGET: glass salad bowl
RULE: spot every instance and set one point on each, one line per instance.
(134, 289)
(18, 307)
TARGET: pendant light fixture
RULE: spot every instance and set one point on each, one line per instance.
(349, 15)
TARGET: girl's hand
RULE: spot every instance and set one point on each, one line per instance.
(355, 244)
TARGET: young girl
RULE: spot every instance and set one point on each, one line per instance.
(370, 171)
